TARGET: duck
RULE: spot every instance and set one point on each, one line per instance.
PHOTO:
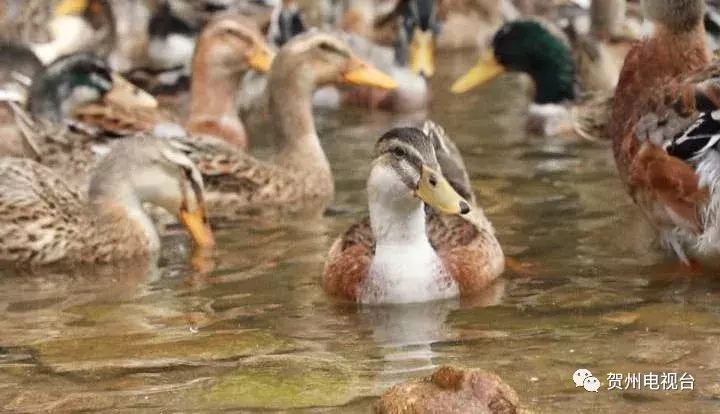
(558, 107)
(73, 103)
(228, 47)
(298, 177)
(45, 220)
(422, 240)
(665, 132)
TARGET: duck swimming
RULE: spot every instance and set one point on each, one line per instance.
(44, 220)
(531, 47)
(404, 252)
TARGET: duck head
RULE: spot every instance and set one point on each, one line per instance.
(406, 171)
(77, 80)
(151, 170)
(527, 46)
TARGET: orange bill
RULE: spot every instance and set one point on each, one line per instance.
(198, 227)
(362, 73)
(260, 58)
(71, 7)
(487, 69)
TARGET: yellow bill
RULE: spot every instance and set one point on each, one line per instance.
(364, 74)
(437, 192)
(127, 95)
(487, 69)
(421, 53)
(260, 58)
(198, 227)
(71, 7)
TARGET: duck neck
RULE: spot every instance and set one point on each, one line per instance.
(213, 90)
(675, 53)
(291, 111)
(119, 211)
(397, 218)
(666, 55)
(398, 226)
(405, 267)
(554, 84)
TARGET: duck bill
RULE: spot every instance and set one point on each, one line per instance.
(125, 94)
(362, 73)
(198, 227)
(437, 192)
(260, 58)
(421, 53)
(71, 7)
(487, 69)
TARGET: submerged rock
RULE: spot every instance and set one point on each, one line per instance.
(452, 391)
(283, 382)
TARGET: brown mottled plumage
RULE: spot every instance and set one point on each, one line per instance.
(44, 220)
(665, 132)
(466, 245)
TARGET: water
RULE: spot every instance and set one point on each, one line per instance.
(257, 332)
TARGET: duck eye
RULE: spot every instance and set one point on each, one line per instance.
(327, 47)
(398, 152)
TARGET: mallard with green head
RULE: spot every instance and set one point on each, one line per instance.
(44, 220)
(531, 47)
(79, 86)
(422, 241)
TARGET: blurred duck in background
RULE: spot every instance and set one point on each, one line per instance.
(228, 48)
(73, 104)
(410, 59)
(571, 86)
(172, 32)
(71, 26)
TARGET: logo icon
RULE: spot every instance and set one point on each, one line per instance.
(580, 375)
(584, 378)
(591, 384)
